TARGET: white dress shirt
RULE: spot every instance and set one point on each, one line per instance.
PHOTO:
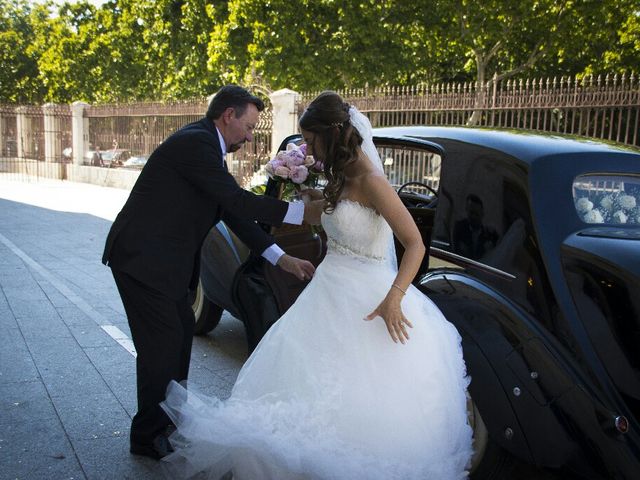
(294, 215)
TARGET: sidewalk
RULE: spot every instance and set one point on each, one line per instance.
(67, 365)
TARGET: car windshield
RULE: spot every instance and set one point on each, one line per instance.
(608, 199)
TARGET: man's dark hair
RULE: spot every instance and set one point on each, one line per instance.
(232, 96)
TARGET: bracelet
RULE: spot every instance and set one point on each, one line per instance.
(403, 291)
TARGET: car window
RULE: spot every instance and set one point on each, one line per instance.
(404, 164)
(607, 199)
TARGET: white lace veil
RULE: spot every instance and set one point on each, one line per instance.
(362, 124)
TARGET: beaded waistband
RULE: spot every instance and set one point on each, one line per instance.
(334, 246)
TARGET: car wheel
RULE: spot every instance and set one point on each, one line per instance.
(489, 461)
(206, 313)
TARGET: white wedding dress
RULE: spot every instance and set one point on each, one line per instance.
(328, 395)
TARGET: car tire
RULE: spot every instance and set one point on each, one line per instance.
(489, 461)
(207, 314)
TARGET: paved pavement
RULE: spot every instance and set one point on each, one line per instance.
(67, 370)
(67, 374)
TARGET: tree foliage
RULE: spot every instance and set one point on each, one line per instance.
(172, 49)
(18, 63)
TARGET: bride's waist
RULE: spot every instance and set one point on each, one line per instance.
(338, 248)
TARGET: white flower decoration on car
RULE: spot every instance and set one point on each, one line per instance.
(584, 205)
(627, 202)
(593, 216)
(606, 203)
(619, 217)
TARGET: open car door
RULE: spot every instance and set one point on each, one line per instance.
(263, 292)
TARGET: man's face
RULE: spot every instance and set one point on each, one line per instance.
(239, 129)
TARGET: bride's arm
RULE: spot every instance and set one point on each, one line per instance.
(386, 201)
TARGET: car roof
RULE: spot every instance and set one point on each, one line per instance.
(522, 144)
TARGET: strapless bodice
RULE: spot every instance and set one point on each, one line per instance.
(353, 229)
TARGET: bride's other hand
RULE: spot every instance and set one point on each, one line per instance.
(311, 194)
(302, 269)
(391, 312)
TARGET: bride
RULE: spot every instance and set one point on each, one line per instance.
(363, 377)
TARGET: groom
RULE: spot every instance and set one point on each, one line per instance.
(153, 247)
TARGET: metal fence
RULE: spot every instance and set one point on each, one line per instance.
(139, 128)
(604, 107)
(34, 140)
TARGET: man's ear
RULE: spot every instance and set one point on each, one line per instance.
(228, 114)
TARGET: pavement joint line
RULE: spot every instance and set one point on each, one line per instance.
(114, 332)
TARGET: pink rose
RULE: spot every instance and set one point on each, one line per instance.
(269, 168)
(277, 162)
(303, 149)
(282, 171)
(318, 166)
(294, 161)
(299, 174)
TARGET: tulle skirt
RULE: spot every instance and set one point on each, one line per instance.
(328, 395)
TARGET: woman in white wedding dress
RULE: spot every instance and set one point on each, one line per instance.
(363, 377)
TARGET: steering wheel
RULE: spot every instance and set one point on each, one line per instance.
(434, 198)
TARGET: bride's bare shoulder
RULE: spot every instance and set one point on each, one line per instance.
(375, 180)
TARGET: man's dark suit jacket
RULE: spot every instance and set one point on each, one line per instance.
(464, 244)
(182, 191)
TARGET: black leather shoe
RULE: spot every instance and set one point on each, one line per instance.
(160, 447)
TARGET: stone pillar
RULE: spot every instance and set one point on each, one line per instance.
(52, 142)
(23, 132)
(79, 131)
(285, 116)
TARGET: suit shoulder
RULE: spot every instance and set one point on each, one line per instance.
(196, 131)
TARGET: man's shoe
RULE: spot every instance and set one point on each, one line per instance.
(160, 447)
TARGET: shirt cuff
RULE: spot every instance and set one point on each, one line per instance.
(272, 254)
(295, 213)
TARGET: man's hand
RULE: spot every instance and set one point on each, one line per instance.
(302, 269)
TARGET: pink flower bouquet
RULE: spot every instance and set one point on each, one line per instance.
(293, 165)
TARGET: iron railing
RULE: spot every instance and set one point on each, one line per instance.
(604, 107)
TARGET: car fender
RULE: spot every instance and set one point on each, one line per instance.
(515, 379)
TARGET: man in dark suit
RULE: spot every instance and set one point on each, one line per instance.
(471, 238)
(153, 247)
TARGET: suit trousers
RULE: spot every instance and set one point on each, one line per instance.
(162, 332)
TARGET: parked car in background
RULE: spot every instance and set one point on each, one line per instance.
(110, 158)
(136, 161)
(115, 157)
(533, 253)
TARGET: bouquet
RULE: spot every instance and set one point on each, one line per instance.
(294, 167)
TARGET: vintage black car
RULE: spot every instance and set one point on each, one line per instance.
(534, 255)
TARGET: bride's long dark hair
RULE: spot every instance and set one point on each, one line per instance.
(327, 116)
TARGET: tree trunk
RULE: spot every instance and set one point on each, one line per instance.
(478, 105)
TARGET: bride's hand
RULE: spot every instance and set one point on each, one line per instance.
(311, 194)
(313, 212)
(391, 312)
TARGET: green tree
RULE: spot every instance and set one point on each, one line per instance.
(172, 49)
(175, 39)
(313, 44)
(500, 39)
(18, 63)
